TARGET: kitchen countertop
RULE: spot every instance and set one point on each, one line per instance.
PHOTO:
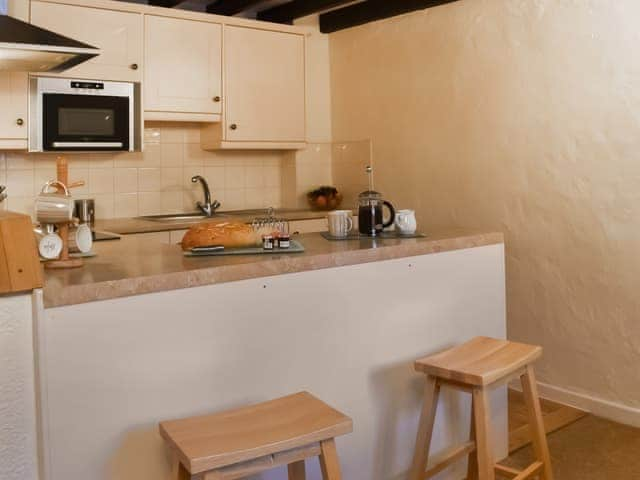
(134, 265)
(126, 226)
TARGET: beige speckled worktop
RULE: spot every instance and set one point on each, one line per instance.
(134, 266)
(126, 226)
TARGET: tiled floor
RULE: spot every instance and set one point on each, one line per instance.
(590, 448)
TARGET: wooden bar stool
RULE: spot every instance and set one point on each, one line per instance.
(476, 367)
(237, 443)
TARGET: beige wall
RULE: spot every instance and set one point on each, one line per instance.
(521, 116)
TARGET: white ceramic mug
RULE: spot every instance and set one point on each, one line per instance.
(49, 242)
(340, 223)
(52, 207)
(406, 222)
(80, 239)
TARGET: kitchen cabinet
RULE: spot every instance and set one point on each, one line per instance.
(264, 91)
(118, 34)
(183, 69)
(13, 110)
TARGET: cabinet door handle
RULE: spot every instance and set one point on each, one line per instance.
(216, 99)
(134, 66)
(233, 126)
(19, 122)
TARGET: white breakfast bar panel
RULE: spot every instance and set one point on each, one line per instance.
(113, 369)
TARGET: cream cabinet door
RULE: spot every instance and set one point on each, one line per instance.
(119, 35)
(13, 110)
(183, 65)
(264, 86)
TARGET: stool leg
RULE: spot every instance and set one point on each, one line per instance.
(178, 472)
(484, 451)
(329, 460)
(297, 471)
(472, 466)
(536, 424)
(425, 428)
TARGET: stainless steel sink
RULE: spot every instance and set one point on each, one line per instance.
(181, 217)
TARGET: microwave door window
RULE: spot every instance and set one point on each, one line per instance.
(86, 122)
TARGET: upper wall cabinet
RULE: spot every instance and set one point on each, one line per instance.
(118, 34)
(13, 110)
(183, 70)
(264, 97)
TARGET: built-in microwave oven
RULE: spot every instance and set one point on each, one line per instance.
(82, 115)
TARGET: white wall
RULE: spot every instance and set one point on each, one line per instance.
(18, 438)
(114, 369)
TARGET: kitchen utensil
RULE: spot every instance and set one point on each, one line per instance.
(270, 224)
(406, 222)
(84, 210)
(53, 207)
(370, 205)
(296, 247)
(49, 242)
(80, 239)
(340, 223)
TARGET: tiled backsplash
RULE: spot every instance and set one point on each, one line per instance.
(155, 181)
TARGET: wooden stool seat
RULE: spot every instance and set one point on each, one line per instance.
(474, 367)
(481, 361)
(244, 441)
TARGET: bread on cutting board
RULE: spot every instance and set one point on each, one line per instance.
(225, 233)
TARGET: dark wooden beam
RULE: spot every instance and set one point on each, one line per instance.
(230, 7)
(165, 3)
(372, 10)
(288, 12)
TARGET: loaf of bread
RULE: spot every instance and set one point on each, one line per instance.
(226, 233)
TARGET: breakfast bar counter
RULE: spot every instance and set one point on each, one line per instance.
(135, 265)
(142, 334)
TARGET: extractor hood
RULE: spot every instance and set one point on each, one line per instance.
(27, 48)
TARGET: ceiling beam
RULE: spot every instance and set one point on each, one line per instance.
(165, 3)
(230, 7)
(288, 12)
(372, 10)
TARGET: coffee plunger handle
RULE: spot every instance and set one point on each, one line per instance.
(392, 216)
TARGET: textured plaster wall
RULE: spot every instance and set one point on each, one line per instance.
(521, 116)
(18, 458)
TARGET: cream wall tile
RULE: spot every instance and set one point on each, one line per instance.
(234, 176)
(171, 154)
(214, 159)
(272, 197)
(128, 160)
(3, 161)
(101, 160)
(20, 183)
(42, 176)
(19, 161)
(172, 133)
(215, 176)
(190, 198)
(171, 179)
(149, 179)
(125, 205)
(193, 154)
(152, 156)
(234, 199)
(101, 180)
(254, 176)
(44, 160)
(125, 180)
(77, 174)
(272, 176)
(78, 161)
(3, 177)
(104, 205)
(149, 203)
(192, 133)
(254, 198)
(20, 204)
(151, 135)
(171, 201)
